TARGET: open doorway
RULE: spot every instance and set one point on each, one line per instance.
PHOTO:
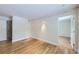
(9, 30)
(66, 31)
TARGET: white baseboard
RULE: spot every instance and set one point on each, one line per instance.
(35, 38)
(14, 40)
(3, 40)
(46, 41)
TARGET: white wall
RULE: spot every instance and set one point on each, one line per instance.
(77, 28)
(21, 28)
(51, 31)
(45, 29)
(3, 27)
(75, 13)
(3, 30)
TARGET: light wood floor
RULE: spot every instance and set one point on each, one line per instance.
(32, 46)
(64, 42)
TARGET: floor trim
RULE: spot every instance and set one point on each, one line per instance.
(46, 41)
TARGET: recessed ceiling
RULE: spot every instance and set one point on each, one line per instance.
(33, 11)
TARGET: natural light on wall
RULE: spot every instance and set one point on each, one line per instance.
(43, 27)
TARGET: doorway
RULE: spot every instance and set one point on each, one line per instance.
(66, 31)
(9, 30)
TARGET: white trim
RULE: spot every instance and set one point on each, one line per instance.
(14, 40)
(5, 18)
(65, 17)
(45, 41)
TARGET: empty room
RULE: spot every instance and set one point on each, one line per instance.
(39, 29)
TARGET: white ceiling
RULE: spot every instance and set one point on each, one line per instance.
(33, 11)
